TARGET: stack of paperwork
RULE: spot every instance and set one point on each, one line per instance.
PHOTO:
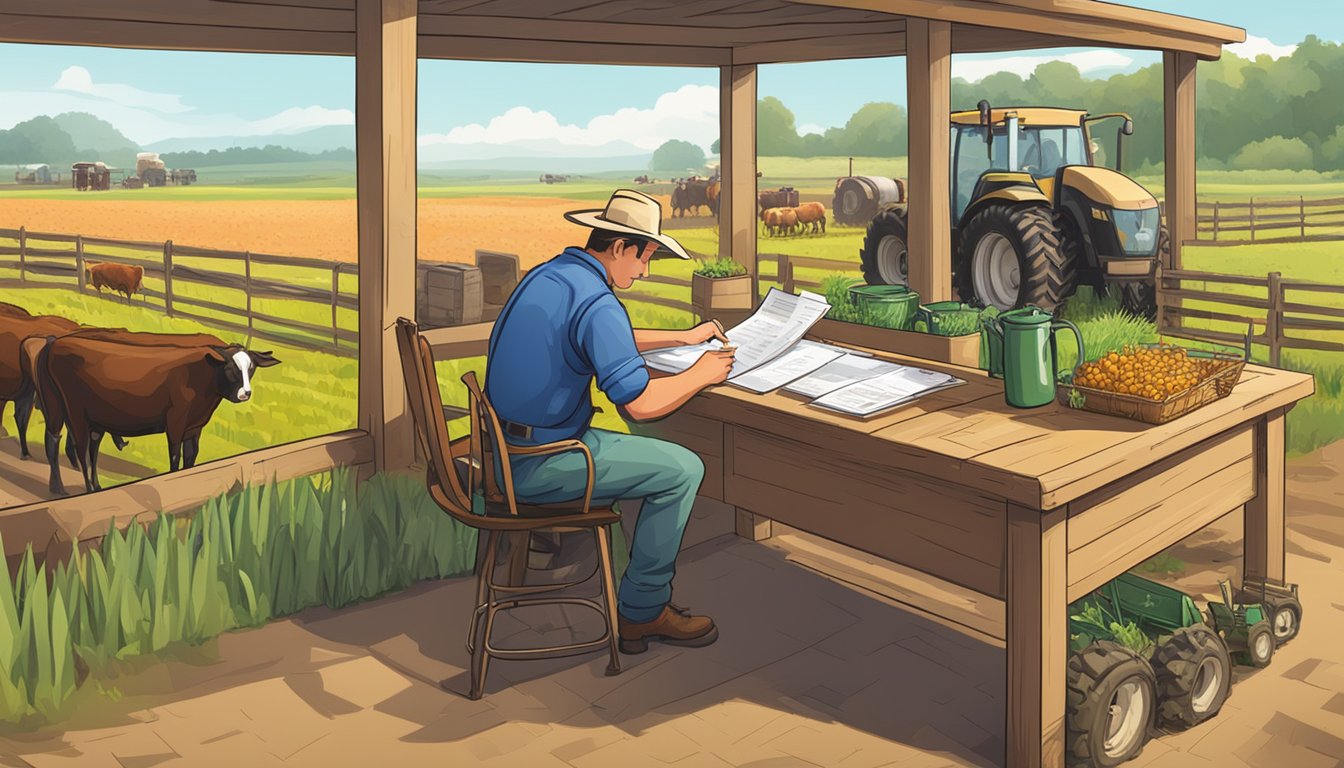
(771, 353)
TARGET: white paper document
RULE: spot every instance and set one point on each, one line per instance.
(869, 396)
(678, 359)
(803, 358)
(840, 372)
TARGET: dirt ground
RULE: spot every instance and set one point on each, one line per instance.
(809, 671)
(449, 229)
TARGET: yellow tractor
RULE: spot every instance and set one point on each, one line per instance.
(1035, 214)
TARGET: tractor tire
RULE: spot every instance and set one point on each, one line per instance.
(885, 252)
(1010, 257)
(1140, 298)
(1259, 646)
(1109, 705)
(1194, 676)
(1285, 617)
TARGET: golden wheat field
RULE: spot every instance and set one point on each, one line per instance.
(449, 229)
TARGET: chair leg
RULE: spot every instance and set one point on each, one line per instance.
(519, 543)
(609, 592)
(480, 657)
(486, 544)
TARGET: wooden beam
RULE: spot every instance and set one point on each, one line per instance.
(210, 13)
(737, 168)
(1080, 23)
(1124, 14)
(385, 93)
(1038, 637)
(855, 46)
(564, 51)
(1263, 527)
(928, 74)
(1178, 104)
(61, 30)
(460, 341)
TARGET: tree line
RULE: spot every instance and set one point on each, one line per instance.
(1257, 114)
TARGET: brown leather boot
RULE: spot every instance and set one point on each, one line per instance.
(674, 626)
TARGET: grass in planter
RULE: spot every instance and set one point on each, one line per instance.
(241, 560)
(719, 266)
(836, 290)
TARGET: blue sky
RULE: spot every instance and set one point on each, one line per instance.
(152, 95)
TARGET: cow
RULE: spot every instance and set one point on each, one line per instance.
(14, 383)
(175, 391)
(813, 214)
(642, 179)
(712, 195)
(777, 198)
(688, 196)
(121, 278)
(780, 221)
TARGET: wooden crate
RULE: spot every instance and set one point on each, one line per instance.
(957, 350)
(448, 294)
(499, 275)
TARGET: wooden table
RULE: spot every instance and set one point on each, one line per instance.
(1034, 508)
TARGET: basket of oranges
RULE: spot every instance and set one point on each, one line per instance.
(1153, 383)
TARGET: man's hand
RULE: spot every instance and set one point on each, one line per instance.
(710, 329)
(713, 367)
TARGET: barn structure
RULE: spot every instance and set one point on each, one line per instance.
(386, 37)
(36, 173)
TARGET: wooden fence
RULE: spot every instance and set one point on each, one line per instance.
(1270, 221)
(1268, 296)
(63, 257)
(784, 277)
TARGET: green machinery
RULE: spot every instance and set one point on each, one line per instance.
(1143, 654)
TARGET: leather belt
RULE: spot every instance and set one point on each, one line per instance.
(514, 429)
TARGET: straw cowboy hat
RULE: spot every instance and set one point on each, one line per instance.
(632, 213)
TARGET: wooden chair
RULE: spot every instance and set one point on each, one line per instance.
(462, 482)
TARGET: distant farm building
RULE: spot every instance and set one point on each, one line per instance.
(39, 173)
(151, 169)
(96, 176)
(183, 176)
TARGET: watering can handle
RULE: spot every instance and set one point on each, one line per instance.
(922, 313)
(1082, 353)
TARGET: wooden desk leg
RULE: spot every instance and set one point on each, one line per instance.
(1038, 637)
(752, 526)
(1264, 515)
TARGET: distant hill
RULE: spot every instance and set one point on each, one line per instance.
(313, 141)
(540, 165)
(97, 139)
(270, 153)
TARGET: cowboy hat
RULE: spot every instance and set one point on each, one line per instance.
(632, 213)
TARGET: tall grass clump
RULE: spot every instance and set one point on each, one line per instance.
(242, 559)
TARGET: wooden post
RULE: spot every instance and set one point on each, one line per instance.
(1274, 318)
(1264, 515)
(752, 526)
(1160, 297)
(1037, 637)
(737, 169)
(1215, 220)
(335, 298)
(247, 291)
(786, 273)
(1251, 213)
(168, 278)
(79, 261)
(1178, 71)
(385, 93)
(928, 72)
(1302, 216)
(23, 253)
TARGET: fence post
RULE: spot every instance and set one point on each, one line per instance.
(23, 247)
(79, 262)
(1302, 216)
(335, 297)
(168, 278)
(1215, 220)
(247, 283)
(785, 270)
(1158, 295)
(1274, 320)
(1250, 212)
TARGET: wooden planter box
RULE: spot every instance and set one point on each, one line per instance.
(725, 298)
(958, 350)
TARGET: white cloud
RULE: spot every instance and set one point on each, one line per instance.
(300, 119)
(78, 80)
(803, 130)
(690, 113)
(978, 69)
(1260, 46)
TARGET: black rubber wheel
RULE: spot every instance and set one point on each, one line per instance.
(1194, 676)
(1010, 257)
(1140, 298)
(1285, 617)
(885, 254)
(1259, 646)
(1110, 705)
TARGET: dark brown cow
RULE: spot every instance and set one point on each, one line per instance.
(14, 383)
(175, 390)
(688, 196)
(53, 408)
(784, 197)
(121, 278)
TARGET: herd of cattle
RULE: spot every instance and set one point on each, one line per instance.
(93, 382)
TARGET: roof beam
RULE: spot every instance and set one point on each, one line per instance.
(822, 48)
(568, 51)
(1139, 33)
(597, 32)
(1099, 9)
(63, 30)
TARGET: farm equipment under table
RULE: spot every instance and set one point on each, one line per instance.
(1142, 654)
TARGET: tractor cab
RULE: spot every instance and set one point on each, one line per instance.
(1034, 140)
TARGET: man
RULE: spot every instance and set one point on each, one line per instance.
(563, 328)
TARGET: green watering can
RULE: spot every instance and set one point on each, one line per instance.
(948, 318)
(895, 303)
(1029, 355)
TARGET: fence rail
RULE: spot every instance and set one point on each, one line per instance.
(68, 266)
(1269, 221)
(1275, 315)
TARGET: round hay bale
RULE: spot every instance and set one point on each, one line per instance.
(858, 198)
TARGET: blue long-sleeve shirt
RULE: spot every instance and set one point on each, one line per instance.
(562, 328)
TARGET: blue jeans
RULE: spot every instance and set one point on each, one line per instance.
(663, 474)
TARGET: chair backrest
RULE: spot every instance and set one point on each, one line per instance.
(488, 437)
(422, 391)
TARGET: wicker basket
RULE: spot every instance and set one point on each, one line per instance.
(1216, 386)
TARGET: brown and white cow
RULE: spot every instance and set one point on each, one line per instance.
(812, 213)
(121, 278)
(133, 389)
(15, 383)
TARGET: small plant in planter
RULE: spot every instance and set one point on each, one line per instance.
(720, 284)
